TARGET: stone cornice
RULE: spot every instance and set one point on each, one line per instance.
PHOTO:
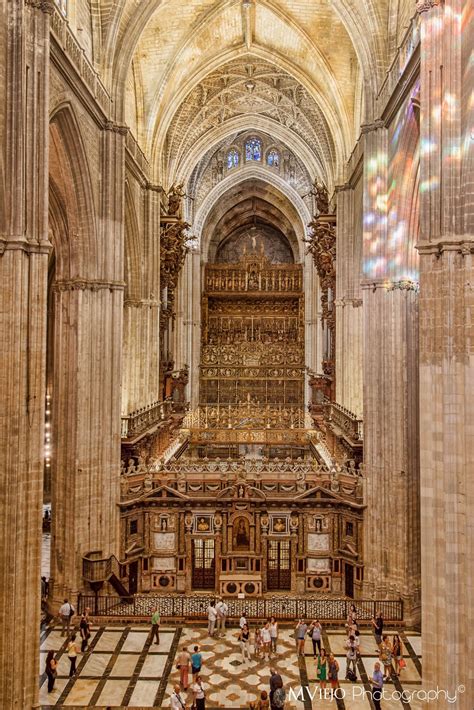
(426, 5)
(88, 285)
(390, 285)
(344, 301)
(154, 188)
(20, 244)
(462, 246)
(342, 188)
(144, 303)
(119, 128)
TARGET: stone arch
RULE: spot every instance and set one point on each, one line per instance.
(256, 172)
(76, 242)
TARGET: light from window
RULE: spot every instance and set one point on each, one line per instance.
(232, 159)
(253, 149)
(273, 158)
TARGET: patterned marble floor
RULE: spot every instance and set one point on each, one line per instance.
(121, 669)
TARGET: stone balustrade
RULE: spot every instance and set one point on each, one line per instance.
(142, 419)
(407, 48)
(345, 420)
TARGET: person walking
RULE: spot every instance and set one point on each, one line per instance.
(300, 632)
(377, 686)
(322, 668)
(377, 623)
(386, 657)
(84, 631)
(266, 641)
(199, 694)
(351, 657)
(397, 653)
(155, 626)
(333, 672)
(72, 655)
(316, 631)
(196, 662)
(274, 634)
(244, 642)
(66, 612)
(51, 670)
(211, 618)
(176, 701)
(182, 663)
(222, 610)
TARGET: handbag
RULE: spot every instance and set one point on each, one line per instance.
(402, 663)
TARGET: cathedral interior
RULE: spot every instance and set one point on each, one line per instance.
(236, 317)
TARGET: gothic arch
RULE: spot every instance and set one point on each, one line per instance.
(76, 248)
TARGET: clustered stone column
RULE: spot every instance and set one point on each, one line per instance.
(446, 249)
(348, 302)
(86, 391)
(390, 401)
(24, 249)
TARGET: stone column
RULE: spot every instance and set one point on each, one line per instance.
(86, 390)
(24, 248)
(391, 548)
(348, 303)
(446, 249)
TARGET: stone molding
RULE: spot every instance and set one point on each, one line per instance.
(344, 301)
(343, 188)
(369, 127)
(119, 128)
(20, 244)
(389, 285)
(426, 5)
(461, 246)
(88, 285)
(144, 303)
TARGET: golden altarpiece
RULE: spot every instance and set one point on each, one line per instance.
(246, 506)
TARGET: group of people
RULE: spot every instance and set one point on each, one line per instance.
(264, 640)
(66, 615)
(184, 662)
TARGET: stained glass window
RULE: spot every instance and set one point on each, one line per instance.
(273, 158)
(232, 159)
(253, 149)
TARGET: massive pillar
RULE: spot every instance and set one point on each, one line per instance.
(24, 248)
(446, 250)
(86, 387)
(390, 399)
(348, 302)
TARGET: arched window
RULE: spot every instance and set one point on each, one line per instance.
(253, 149)
(232, 159)
(273, 158)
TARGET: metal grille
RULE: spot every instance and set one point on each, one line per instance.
(204, 566)
(279, 565)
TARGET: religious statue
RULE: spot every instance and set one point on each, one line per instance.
(241, 534)
(175, 195)
(203, 525)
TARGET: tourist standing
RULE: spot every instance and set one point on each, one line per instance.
(316, 631)
(377, 686)
(264, 702)
(222, 610)
(72, 655)
(351, 656)
(211, 618)
(322, 668)
(351, 619)
(386, 657)
(266, 641)
(243, 620)
(199, 695)
(274, 634)
(84, 631)
(66, 612)
(301, 629)
(176, 701)
(377, 623)
(196, 662)
(333, 672)
(397, 652)
(182, 663)
(244, 642)
(258, 643)
(51, 670)
(155, 626)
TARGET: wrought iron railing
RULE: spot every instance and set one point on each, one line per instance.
(281, 607)
(142, 419)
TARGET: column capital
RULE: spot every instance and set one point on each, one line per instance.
(154, 187)
(426, 5)
(46, 6)
(369, 127)
(119, 128)
(22, 244)
(343, 188)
